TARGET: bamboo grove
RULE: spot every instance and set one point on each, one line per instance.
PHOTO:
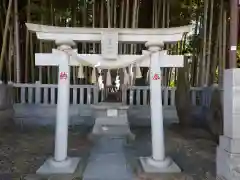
(205, 48)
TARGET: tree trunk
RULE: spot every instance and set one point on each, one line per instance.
(4, 44)
(182, 97)
(215, 115)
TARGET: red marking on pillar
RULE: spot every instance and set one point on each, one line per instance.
(63, 75)
(156, 77)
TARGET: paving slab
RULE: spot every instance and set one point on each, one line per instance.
(108, 144)
(107, 160)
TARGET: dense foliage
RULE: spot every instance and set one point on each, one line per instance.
(206, 44)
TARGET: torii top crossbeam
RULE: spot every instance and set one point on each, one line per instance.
(95, 34)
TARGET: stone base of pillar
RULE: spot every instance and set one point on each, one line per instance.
(149, 165)
(51, 166)
(228, 159)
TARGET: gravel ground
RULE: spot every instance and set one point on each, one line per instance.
(192, 149)
(22, 152)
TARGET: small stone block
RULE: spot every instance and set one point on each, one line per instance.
(111, 130)
(35, 177)
(231, 77)
(228, 165)
(62, 177)
(229, 144)
(49, 168)
(148, 168)
(112, 121)
(112, 112)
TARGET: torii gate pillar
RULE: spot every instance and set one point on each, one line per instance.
(60, 163)
(158, 163)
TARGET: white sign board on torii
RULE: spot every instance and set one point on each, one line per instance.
(109, 44)
(157, 59)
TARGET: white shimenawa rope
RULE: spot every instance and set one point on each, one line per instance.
(100, 80)
(80, 71)
(117, 81)
(109, 79)
(147, 77)
(138, 72)
(103, 64)
(131, 74)
(126, 77)
(93, 78)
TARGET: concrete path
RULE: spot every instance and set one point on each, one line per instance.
(107, 160)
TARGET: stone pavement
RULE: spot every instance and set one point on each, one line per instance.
(107, 160)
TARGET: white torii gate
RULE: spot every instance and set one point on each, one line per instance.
(158, 59)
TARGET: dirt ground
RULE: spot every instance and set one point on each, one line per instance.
(191, 149)
(22, 152)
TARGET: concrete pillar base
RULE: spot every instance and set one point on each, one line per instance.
(51, 166)
(149, 165)
(228, 159)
